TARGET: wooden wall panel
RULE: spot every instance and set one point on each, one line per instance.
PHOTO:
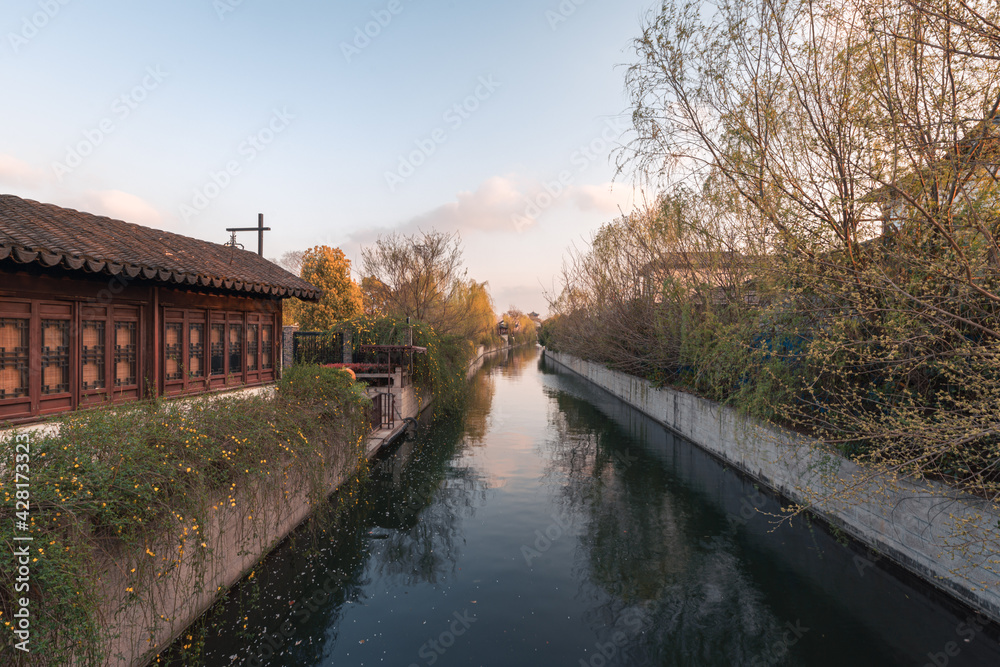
(37, 294)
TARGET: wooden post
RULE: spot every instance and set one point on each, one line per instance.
(260, 229)
(260, 234)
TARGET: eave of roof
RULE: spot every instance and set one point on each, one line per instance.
(16, 221)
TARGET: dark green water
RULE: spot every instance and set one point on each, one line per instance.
(553, 525)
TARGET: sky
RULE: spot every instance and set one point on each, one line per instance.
(339, 121)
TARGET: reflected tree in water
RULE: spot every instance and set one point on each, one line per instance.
(403, 522)
(419, 498)
(640, 555)
(479, 398)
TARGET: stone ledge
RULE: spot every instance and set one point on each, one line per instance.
(798, 469)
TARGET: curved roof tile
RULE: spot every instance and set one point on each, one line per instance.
(50, 235)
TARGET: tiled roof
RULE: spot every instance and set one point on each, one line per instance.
(52, 236)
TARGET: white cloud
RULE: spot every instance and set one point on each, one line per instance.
(607, 198)
(508, 204)
(38, 184)
(489, 209)
(492, 220)
(121, 206)
(19, 173)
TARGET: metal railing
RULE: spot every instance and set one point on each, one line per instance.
(383, 413)
(309, 347)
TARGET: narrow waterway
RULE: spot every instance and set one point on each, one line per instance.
(553, 525)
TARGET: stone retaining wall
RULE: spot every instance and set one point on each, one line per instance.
(235, 537)
(481, 354)
(243, 533)
(949, 539)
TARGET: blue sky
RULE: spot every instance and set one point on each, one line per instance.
(339, 121)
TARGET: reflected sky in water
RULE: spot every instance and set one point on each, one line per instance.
(552, 525)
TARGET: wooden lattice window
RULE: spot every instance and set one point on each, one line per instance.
(252, 337)
(196, 350)
(55, 357)
(218, 349)
(13, 358)
(235, 349)
(173, 368)
(93, 355)
(126, 354)
(267, 347)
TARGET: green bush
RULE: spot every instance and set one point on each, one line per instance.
(440, 371)
(119, 481)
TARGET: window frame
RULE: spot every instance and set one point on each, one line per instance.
(199, 382)
(14, 407)
(83, 316)
(186, 319)
(102, 314)
(262, 321)
(126, 392)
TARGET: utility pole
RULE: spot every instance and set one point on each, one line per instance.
(260, 229)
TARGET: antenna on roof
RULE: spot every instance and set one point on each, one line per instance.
(260, 229)
(232, 241)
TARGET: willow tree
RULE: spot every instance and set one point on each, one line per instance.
(857, 141)
(416, 276)
(422, 276)
(521, 329)
(478, 322)
(633, 296)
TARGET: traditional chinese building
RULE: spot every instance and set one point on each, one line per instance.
(96, 311)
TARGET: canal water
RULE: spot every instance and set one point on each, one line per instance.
(551, 525)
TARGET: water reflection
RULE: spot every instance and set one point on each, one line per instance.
(570, 530)
(636, 551)
(418, 500)
(401, 527)
(667, 526)
(479, 401)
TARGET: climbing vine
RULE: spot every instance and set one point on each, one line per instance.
(121, 497)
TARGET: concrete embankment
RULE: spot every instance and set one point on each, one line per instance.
(236, 538)
(947, 538)
(482, 354)
(240, 530)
